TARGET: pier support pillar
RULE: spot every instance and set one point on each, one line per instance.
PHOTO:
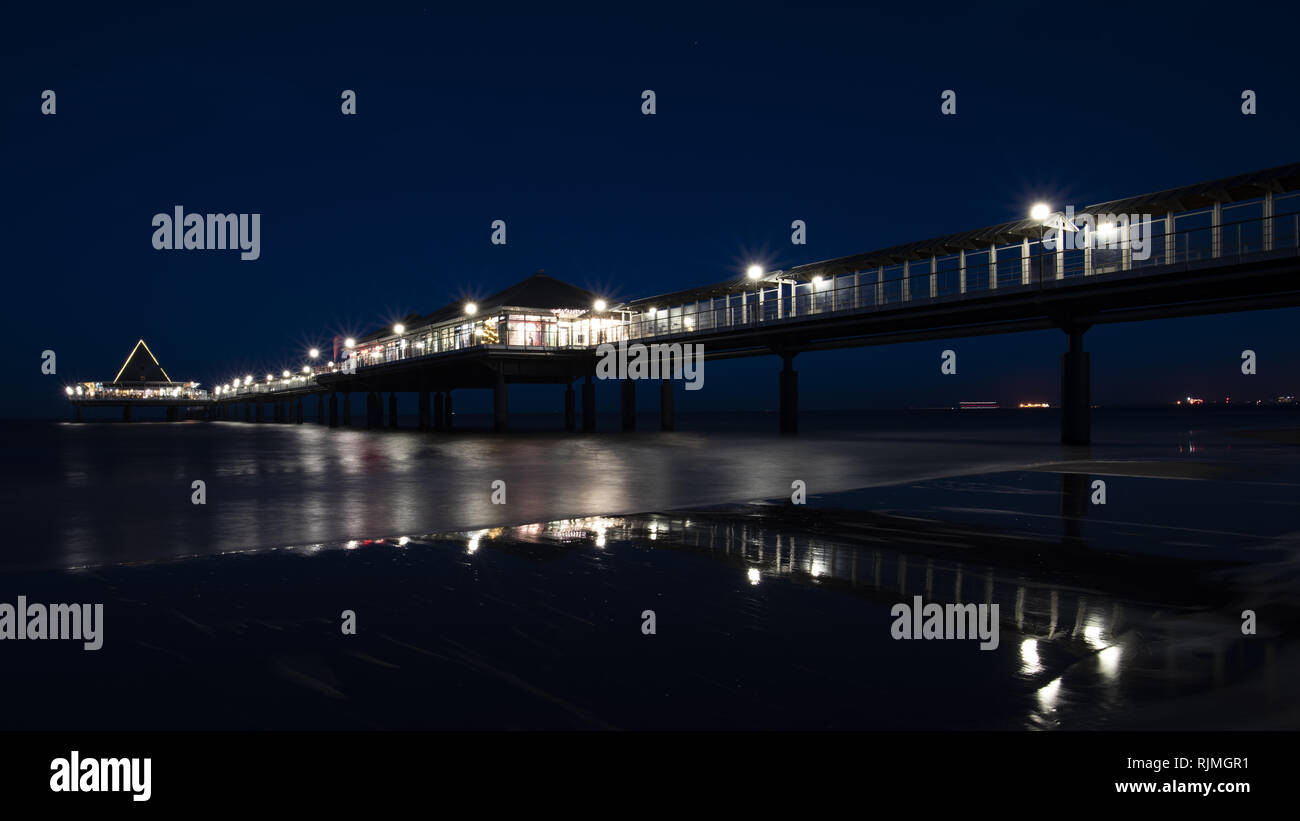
(173, 414)
(77, 413)
(334, 410)
(320, 408)
(439, 422)
(789, 386)
(392, 409)
(126, 413)
(628, 404)
(373, 410)
(500, 404)
(297, 411)
(570, 409)
(1076, 422)
(248, 411)
(666, 420)
(447, 413)
(347, 409)
(588, 406)
(424, 410)
(261, 411)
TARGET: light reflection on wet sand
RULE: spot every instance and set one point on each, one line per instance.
(1115, 616)
(1072, 657)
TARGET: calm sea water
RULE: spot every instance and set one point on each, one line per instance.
(529, 614)
(102, 493)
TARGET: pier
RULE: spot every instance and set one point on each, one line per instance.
(1225, 245)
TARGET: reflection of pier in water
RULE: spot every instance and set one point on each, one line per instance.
(1081, 650)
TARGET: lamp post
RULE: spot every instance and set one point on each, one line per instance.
(598, 307)
(1043, 214)
(755, 274)
(1040, 212)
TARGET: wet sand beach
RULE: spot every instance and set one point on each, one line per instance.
(767, 615)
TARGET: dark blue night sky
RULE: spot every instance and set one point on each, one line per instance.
(765, 114)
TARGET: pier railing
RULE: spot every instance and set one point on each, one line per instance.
(1000, 269)
(1101, 254)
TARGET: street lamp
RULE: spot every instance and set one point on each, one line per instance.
(1039, 213)
(349, 343)
(314, 353)
(470, 309)
(599, 305)
(399, 329)
(754, 272)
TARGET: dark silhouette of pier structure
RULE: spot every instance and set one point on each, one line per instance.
(1226, 245)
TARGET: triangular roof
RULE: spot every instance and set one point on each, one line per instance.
(141, 366)
(537, 291)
